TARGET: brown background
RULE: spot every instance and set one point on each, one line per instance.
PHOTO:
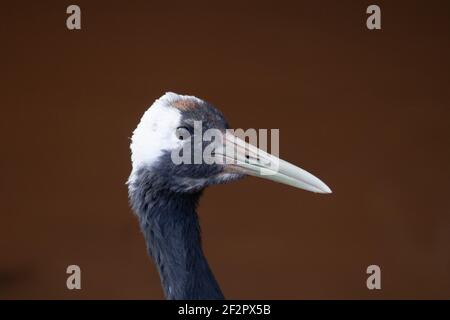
(367, 111)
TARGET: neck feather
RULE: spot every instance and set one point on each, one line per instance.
(171, 229)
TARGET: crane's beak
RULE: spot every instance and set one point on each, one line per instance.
(242, 157)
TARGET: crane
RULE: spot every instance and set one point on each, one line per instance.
(164, 194)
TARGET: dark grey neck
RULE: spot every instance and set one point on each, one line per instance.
(171, 229)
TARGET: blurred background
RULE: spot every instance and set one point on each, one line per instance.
(367, 111)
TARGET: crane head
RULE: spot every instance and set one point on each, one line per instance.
(184, 145)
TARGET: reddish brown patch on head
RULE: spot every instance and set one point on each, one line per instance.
(185, 104)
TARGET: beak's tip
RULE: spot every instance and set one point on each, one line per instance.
(325, 189)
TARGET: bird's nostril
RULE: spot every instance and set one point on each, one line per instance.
(248, 157)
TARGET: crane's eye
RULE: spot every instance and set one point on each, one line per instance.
(182, 133)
